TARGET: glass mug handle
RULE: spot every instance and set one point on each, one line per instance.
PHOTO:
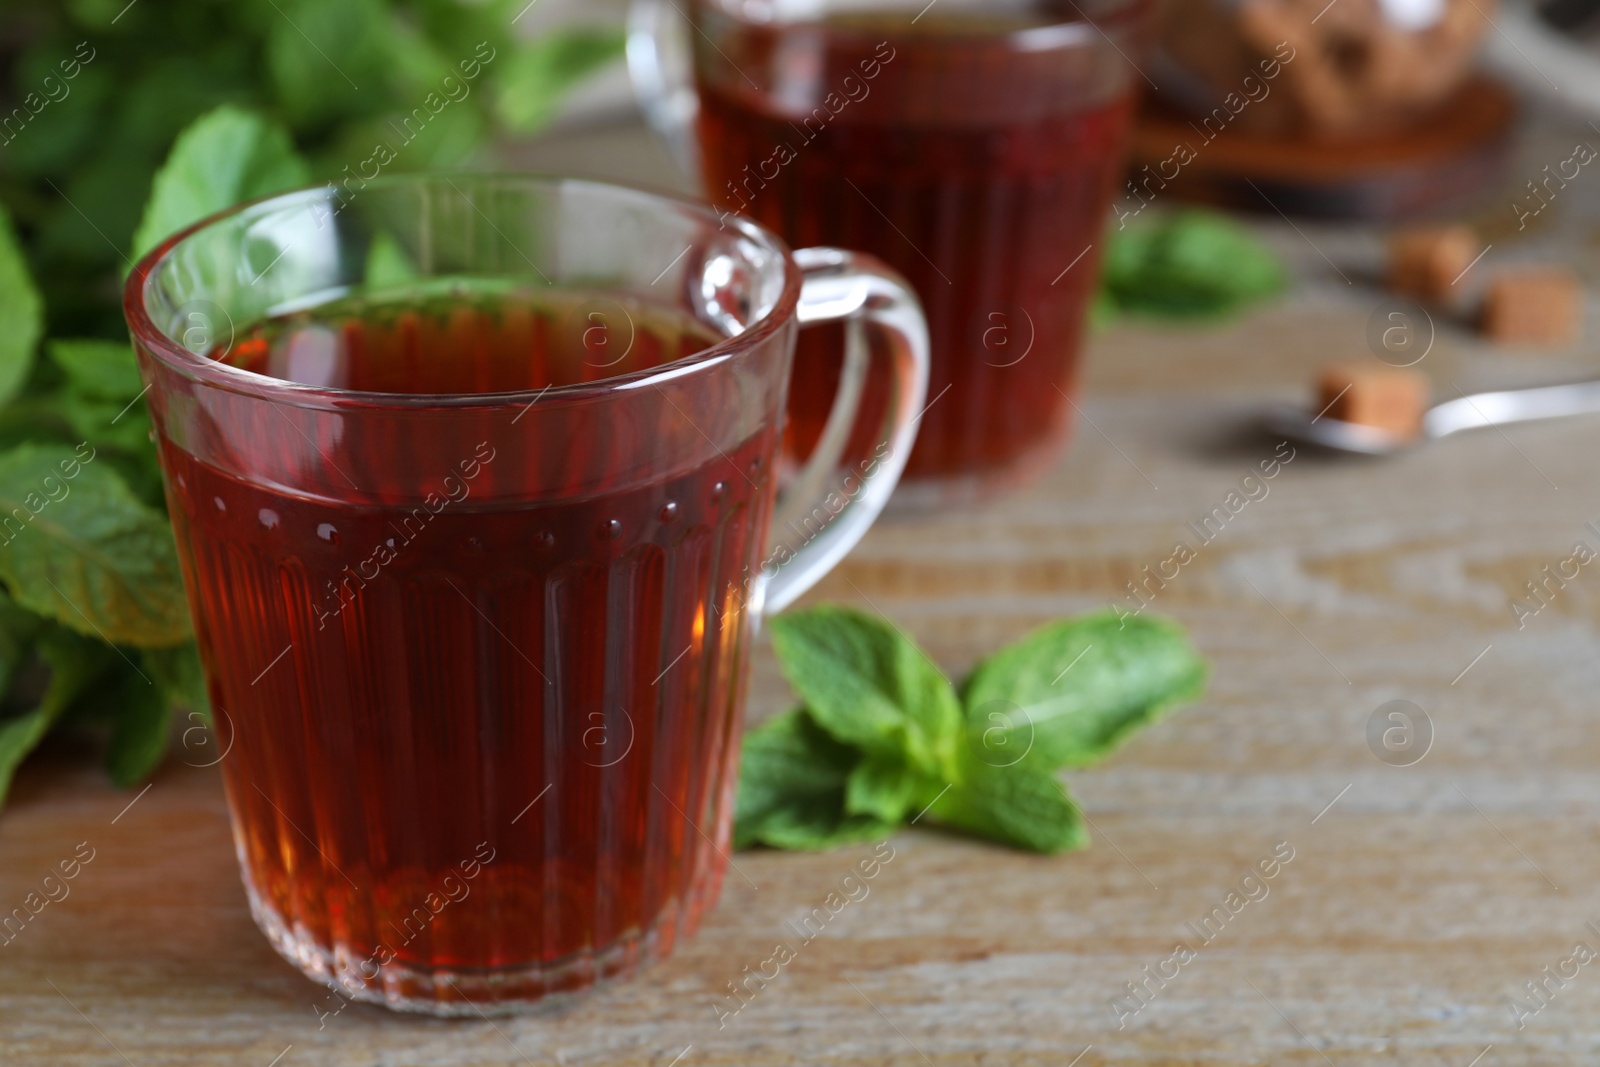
(864, 294)
(660, 62)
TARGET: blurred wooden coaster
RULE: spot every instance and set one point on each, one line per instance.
(1441, 165)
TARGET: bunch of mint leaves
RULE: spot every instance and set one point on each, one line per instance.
(882, 737)
(187, 107)
(340, 76)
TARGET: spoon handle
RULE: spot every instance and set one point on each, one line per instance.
(1511, 405)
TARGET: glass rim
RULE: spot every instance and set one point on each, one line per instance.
(1060, 33)
(217, 374)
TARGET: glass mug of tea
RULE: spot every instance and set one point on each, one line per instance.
(471, 478)
(973, 145)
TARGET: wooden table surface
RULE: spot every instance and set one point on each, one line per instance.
(1420, 899)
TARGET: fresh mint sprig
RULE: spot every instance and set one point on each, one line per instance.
(883, 737)
(1190, 264)
(199, 105)
(87, 559)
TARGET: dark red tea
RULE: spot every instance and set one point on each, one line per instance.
(978, 165)
(496, 731)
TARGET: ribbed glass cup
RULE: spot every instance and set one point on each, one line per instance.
(477, 660)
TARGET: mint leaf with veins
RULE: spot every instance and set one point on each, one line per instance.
(870, 686)
(889, 788)
(882, 738)
(792, 782)
(1019, 806)
(77, 546)
(1071, 691)
(225, 156)
(104, 370)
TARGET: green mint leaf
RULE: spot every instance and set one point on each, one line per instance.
(318, 53)
(870, 686)
(225, 156)
(140, 471)
(19, 629)
(1191, 263)
(102, 370)
(75, 663)
(21, 313)
(532, 81)
(816, 829)
(874, 742)
(179, 674)
(39, 420)
(887, 788)
(792, 782)
(1020, 806)
(388, 263)
(120, 424)
(77, 546)
(19, 735)
(1068, 693)
(139, 731)
(792, 775)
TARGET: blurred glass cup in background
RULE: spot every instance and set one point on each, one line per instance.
(973, 146)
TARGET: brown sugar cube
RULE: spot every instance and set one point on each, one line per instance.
(1538, 306)
(1373, 394)
(1426, 262)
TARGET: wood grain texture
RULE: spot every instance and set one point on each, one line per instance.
(1418, 901)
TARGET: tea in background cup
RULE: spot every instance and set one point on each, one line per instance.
(972, 145)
